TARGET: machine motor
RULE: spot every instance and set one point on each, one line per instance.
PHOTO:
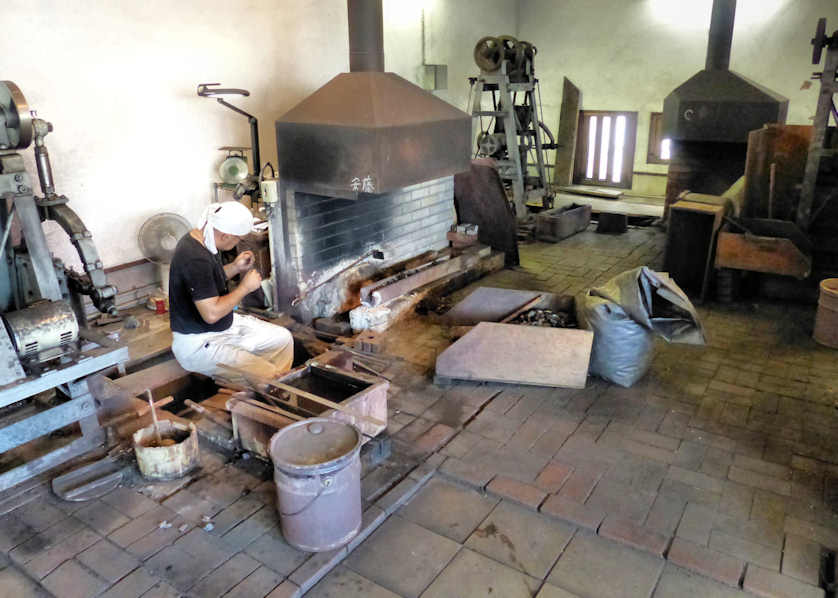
(41, 331)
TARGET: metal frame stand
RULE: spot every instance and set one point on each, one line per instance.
(825, 108)
(504, 98)
(81, 408)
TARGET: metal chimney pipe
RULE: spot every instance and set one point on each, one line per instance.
(721, 35)
(366, 35)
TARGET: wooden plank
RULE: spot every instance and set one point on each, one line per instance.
(217, 401)
(772, 255)
(306, 395)
(148, 347)
(259, 414)
(592, 191)
(629, 207)
(154, 377)
(217, 417)
(519, 355)
(568, 129)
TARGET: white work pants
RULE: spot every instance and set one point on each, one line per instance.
(250, 344)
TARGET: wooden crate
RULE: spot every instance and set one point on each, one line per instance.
(561, 223)
(366, 395)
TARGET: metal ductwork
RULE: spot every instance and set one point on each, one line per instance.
(717, 104)
(366, 36)
(368, 131)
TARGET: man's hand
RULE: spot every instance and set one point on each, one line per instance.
(251, 281)
(244, 261)
(215, 308)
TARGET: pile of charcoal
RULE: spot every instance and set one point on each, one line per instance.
(546, 318)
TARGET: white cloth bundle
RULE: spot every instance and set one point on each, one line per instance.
(229, 217)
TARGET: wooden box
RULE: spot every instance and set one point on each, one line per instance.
(363, 394)
(561, 223)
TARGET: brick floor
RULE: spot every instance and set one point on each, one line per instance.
(720, 464)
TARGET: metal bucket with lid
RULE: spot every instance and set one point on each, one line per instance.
(317, 471)
(826, 319)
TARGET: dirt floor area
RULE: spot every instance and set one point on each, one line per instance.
(716, 475)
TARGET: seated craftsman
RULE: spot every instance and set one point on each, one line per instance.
(205, 331)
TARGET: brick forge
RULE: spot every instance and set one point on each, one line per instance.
(315, 237)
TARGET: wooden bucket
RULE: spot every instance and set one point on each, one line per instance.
(826, 320)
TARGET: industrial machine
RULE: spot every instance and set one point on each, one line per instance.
(43, 341)
(513, 134)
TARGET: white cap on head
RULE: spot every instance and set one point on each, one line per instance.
(229, 217)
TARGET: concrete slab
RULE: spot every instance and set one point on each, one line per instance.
(13, 583)
(274, 552)
(448, 509)
(472, 574)
(519, 355)
(593, 566)
(402, 556)
(522, 539)
(343, 582)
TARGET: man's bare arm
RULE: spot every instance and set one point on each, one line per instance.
(213, 309)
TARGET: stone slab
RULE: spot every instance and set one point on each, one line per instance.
(472, 574)
(108, 560)
(519, 355)
(71, 580)
(342, 582)
(258, 583)
(402, 557)
(521, 538)
(13, 583)
(448, 509)
(593, 566)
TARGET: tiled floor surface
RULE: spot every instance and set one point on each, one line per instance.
(715, 475)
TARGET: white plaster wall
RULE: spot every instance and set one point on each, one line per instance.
(452, 28)
(117, 79)
(629, 54)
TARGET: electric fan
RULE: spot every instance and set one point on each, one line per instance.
(158, 237)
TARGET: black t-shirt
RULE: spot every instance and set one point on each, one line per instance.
(195, 274)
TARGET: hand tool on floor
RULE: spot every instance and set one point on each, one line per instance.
(306, 395)
(88, 481)
(209, 414)
(157, 437)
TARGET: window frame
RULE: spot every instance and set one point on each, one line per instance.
(581, 158)
(655, 139)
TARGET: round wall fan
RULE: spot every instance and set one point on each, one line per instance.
(158, 237)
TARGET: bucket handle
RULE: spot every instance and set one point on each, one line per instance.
(324, 483)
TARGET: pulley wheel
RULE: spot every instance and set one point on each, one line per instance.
(15, 119)
(528, 48)
(489, 144)
(488, 54)
(508, 42)
(819, 42)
